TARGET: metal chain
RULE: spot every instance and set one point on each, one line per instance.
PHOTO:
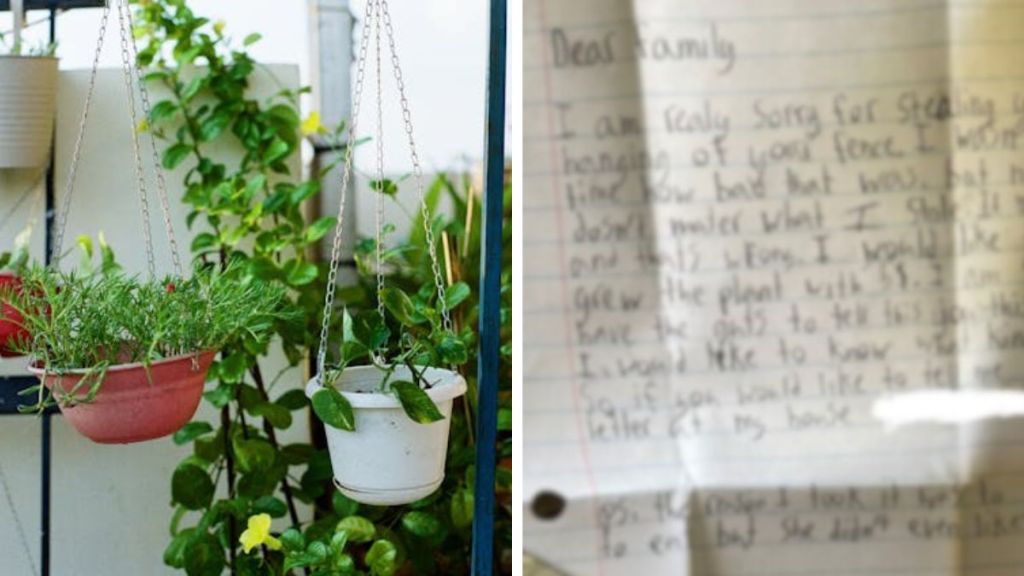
(17, 521)
(161, 182)
(332, 275)
(58, 238)
(417, 169)
(140, 177)
(379, 225)
(33, 187)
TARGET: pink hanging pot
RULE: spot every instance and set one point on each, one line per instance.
(133, 404)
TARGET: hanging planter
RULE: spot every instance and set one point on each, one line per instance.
(135, 402)
(126, 361)
(388, 458)
(28, 102)
(388, 422)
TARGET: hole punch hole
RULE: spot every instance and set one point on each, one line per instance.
(548, 505)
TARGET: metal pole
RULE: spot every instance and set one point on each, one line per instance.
(46, 435)
(490, 297)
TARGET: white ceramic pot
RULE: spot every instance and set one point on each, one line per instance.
(28, 103)
(389, 459)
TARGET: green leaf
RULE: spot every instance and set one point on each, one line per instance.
(275, 507)
(456, 294)
(254, 454)
(304, 191)
(232, 369)
(163, 109)
(278, 416)
(452, 350)
(319, 229)
(317, 551)
(381, 558)
(252, 39)
(338, 542)
(191, 431)
(300, 273)
(174, 554)
(191, 487)
(385, 186)
(299, 453)
(416, 403)
(175, 155)
(462, 508)
(213, 126)
(343, 505)
(504, 419)
(359, 529)
(254, 185)
(192, 88)
(334, 409)
(219, 396)
(204, 556)
(292, 400)
(345, 564)
(370, 330)
(293, 540)
(400, 306)
(286, 115)
(276, 201)
(277, 150)
(202, 241)
(422, 524)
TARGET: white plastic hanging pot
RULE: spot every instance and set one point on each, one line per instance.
(389, 459)
(28, 103)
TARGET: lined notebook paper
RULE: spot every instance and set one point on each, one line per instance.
(749, 222)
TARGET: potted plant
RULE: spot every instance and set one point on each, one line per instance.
(28, 99)
(388, 419)
(126, 360)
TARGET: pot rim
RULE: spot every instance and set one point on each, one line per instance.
(448, 386)
(34, 368)
(26, 57)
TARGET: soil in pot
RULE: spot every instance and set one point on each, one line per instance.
(11, 329)
(135, 404)
(389, 459)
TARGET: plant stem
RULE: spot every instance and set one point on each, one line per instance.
(286, 488)
(225, 424)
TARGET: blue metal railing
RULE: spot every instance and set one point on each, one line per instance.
(490, 297)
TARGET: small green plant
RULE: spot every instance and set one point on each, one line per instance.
(94, 321)
(422, 341)
(35, 50)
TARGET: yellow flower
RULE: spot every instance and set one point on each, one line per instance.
(311, 125)
(143, 126)
(258, 534)
(218, 27)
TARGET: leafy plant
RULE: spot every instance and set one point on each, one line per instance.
(81, 321)
(37, 50)
(421, 341)
(446, 548)
(251, 212)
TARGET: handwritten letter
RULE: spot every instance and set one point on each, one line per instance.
(747, 222)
